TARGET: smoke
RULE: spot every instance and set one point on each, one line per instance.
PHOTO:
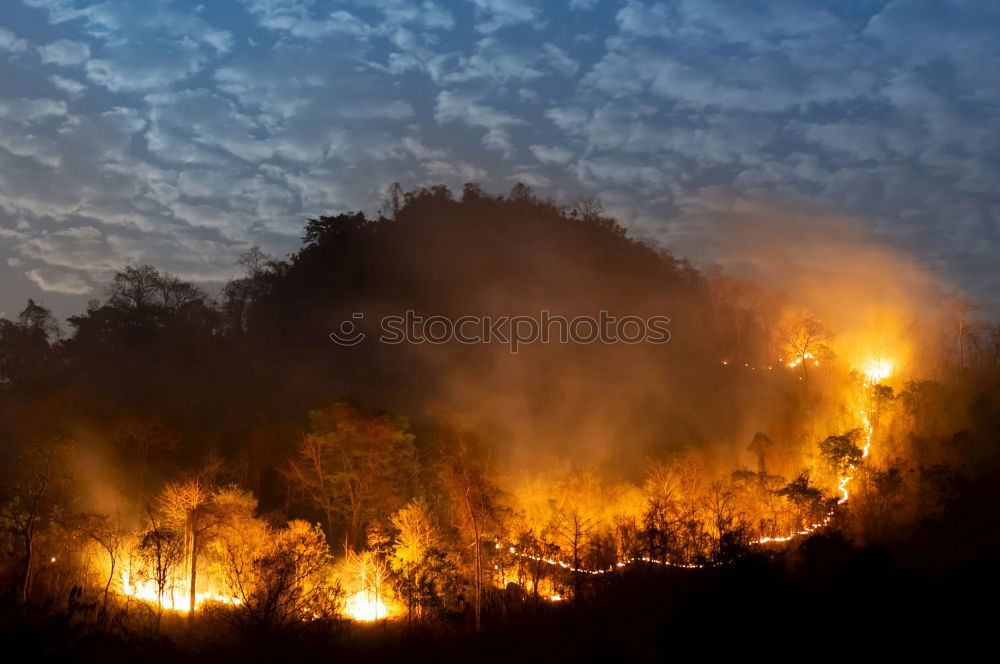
(102, 481)
(613, 407)
(877, 300)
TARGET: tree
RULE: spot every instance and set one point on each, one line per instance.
(25, 346)
(759, 446)
(573, 529)
(240, 295)
(194, 509)
(416, 535)
(161, 551)
(392, 203)
(925, 402)
(881, 495)
(841, 454)
(466, 498)
(803, 339)
(280, 576)
(354, 468)
(369, 572)
(961, 314)
(756, 495)
(144, 287)
(110, 535)
(36, 317)
(32, 500)
(676, 497)
(145, 442)
(807, 500)
(727, 524)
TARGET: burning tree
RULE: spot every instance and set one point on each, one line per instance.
(803, 339)
(159, 552)
(806, 499)
(413, 551)
(840, 453)
(369, 572)
(279, 577)
(198, 512)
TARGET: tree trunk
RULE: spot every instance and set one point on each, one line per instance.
(29, 554)
(107, 586)
(194, 572)
(479, 565)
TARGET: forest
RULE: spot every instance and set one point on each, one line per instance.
(209, 477)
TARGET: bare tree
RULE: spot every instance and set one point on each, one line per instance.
(759, 446)
(188, 507)
(108, 533)
(803, 339)
(32, 500)
(161, 550)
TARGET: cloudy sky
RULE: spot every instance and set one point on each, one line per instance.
(179, 133)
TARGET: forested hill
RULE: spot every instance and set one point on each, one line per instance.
(235, 377)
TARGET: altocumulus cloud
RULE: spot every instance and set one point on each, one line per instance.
(180, 134)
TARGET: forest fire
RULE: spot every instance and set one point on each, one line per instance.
(331, 512)
(172, 600)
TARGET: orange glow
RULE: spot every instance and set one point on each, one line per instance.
(874, 371)
(877, 369)
(366, 606)
(175, 598)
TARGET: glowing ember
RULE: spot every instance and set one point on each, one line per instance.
(366, 606)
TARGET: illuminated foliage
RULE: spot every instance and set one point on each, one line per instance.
(841, 453)
(281, 577)
(354, 468)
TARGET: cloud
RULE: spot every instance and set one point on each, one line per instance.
(554, 154)
(133, 69)
(647, 20)
(466, 108)
(53, 281)
(68, 85)
(420, 151)
(29, 111)
(534, 180)
(64, 52)
(427, 15)
(499, 14)
(10, 42)
(298, 19)
(140, 49)
(187, 131)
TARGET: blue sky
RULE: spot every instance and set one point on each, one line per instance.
(180, 133)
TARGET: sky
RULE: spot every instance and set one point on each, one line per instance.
(180, 134)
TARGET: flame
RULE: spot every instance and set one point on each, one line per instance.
(366, 606)
(874, 370)
(172, 600)
(877, 370)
